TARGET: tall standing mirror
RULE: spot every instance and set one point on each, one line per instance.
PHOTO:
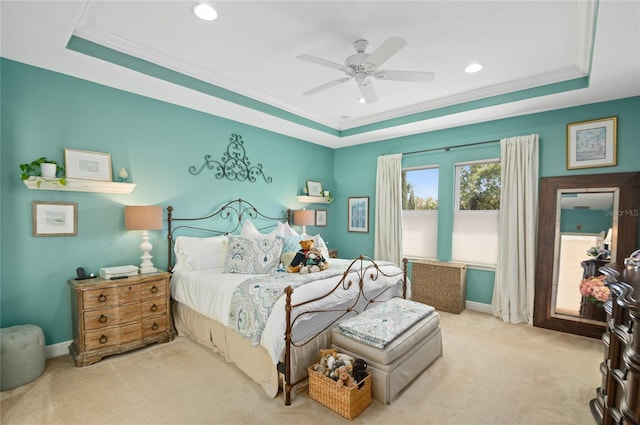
(578, 213)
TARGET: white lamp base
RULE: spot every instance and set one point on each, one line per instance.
(146, 266)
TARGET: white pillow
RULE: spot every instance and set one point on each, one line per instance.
(249, 230)
(200, 253)
(249, 256)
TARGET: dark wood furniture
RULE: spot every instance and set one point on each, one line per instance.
(625, 239)
(618, 398)
(114, 316)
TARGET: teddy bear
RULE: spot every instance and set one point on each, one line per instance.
(308, 259)
(344, 378)
(328, 358)
(301, 256)
(359, 370)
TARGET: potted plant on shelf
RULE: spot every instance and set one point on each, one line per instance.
(46, 169)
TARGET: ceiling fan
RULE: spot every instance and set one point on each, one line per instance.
(362, 66)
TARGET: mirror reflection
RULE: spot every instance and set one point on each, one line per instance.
(585, 222)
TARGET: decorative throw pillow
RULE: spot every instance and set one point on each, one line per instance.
(200, 253)
(252, 255)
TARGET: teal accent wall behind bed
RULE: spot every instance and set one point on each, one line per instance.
(44, 112)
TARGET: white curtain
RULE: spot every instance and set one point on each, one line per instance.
(388, 226)
(513, 291)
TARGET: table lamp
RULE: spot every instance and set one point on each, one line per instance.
(144, 218)
(607, 239)
(303, 218)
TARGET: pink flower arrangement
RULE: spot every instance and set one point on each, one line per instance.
(595, 289)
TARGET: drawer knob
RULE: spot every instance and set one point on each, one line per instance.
(102, 319)
(154, 289)
(102, 298)
(103, 339)
(154, 326)
(154, 308)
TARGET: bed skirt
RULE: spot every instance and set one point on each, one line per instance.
(255, 362)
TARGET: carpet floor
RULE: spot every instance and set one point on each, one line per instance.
(491, 373)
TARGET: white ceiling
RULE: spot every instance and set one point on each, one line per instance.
(251, 48)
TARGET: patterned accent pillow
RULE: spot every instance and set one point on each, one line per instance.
(252, 256)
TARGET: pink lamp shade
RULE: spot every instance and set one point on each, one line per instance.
(144, 218)
(304, 218)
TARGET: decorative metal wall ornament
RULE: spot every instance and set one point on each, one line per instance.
(234, 164)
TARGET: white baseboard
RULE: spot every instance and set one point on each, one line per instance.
(57, 350)
(476, 306)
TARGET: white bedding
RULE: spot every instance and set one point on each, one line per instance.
(209, 293)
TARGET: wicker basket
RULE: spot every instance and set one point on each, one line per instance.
(348, 402)
(440, 284)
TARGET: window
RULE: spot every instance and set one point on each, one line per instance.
(420, 212)
(476, 214)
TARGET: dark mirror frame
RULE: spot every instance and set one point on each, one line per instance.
(625, 237)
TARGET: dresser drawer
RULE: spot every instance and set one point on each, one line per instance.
(107, 297)
(153, 289)
(154, 326)
(154, 307)
(114, 316)
(109, 337)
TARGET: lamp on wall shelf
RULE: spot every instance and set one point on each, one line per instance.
(145, 218)
(304, 218)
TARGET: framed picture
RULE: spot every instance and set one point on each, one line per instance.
(314, 188)
(87, 165)
(321, 218)
(592, 143)
(359, 214)
(55, 218)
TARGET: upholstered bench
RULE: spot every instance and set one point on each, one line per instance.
(398, 339)
(22, 355)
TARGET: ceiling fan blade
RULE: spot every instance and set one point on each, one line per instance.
(320, 61)
(368, 92)
(327, 85)
(417, 76)
(387, 49)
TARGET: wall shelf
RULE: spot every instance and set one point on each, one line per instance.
(76, 185)
(313, 200)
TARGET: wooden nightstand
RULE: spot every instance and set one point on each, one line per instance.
(114, 316)
(333, 253)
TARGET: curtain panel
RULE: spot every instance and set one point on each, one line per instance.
(513, 292)
(388, 225)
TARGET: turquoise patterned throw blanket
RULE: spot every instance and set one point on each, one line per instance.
(383, 322)
(253, 300)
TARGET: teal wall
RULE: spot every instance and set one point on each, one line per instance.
(355, 167)
(44, 112)
(585, 221)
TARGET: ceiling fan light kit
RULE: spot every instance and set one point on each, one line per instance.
(362, 66)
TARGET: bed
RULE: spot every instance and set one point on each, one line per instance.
(229, 292)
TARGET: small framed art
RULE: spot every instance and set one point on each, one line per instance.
(592, 143)
(321, 218)
(87, 165)
(358, 214)
(314, 188)
(55, 218)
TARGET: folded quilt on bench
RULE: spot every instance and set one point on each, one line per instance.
(385, 321)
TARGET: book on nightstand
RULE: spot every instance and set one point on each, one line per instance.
(118, 271)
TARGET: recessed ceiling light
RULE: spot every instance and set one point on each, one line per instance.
(474, 67)
(205, 12)
(362, 100)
